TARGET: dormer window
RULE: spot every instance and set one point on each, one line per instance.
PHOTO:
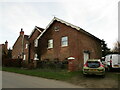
(56, 28)
(36, 42)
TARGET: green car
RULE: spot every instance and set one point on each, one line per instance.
(94, 66)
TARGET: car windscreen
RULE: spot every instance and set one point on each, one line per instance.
(93, 64)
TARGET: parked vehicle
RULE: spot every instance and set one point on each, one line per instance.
(112, 61)
(94, 66)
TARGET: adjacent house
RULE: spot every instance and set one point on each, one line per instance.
(61, 40)
(4, 48)
(5, 54)
(20, 47)
(32, 42)
(24, 47)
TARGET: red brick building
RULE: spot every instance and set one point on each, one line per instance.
(32, 39)
(5, 53)
(20, 47)
(24, 47)
(61, 40)
(4, 48)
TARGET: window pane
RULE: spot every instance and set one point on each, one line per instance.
(36, 42)
(93, 64)
(64, 38)
(64, 44)
(24, 57)
(50, 43)
(64, 41)
(26, 46)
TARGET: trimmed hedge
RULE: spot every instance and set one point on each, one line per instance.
(52, 64)
(12, 62)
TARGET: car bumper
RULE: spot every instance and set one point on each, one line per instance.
(94, 72)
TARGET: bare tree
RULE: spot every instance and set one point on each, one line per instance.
(116, 47)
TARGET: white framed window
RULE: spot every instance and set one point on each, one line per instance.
(24, 57)
(26, 46)
(50, 43)
(36, 43)
(64, 41)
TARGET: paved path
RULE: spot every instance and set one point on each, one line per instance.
(13, 80)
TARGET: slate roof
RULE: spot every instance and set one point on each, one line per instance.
(36, 28)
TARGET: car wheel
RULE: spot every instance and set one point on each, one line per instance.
(109, 68)
(84, 75)
(103, 76)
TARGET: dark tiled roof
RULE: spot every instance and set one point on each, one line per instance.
(26, 37)
(39, 28)
(36, 28)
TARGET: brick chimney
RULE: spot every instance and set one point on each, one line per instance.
(21, 32)
(6, 47)
(22, 41)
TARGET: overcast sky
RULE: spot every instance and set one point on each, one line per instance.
(98, 17)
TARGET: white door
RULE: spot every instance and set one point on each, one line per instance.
(86, 57)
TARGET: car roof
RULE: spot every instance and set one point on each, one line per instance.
(93, 60)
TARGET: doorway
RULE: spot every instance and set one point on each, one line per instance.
(86, 56)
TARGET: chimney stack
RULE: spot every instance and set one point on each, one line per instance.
(21, 32)
(6, 46)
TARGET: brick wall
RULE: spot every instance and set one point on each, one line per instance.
(32, 50)
(26, 50)
(17, 48)
(77, 43)
(20, 48)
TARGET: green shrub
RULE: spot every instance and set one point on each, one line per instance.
(52, 64)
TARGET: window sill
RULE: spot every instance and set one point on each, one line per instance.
(49, 48)
(35, 46)
(64, 46)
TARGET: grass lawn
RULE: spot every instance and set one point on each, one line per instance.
(0, 68)
(45, 73)
(77, 78)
